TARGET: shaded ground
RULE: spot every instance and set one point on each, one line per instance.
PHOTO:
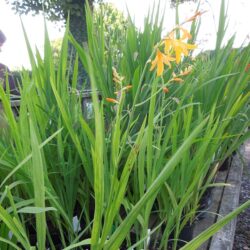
(242, 234)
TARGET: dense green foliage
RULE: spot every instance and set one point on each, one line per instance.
(114, 24)
(127, 174)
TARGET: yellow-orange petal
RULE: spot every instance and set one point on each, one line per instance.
(167, 59)
(168, 44)
(160, 68)
(153, 64)
(191, 46)
(112, 100)
(178, 55)
(165, 90)
(159, 61)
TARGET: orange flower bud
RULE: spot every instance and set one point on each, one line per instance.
(176, 79)
(112, 100)
(125, 88)
(186, 71)
(247, 67)
(165, 90)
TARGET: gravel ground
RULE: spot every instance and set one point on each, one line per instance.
(242, 234)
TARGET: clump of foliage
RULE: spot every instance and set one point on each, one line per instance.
(131, 175)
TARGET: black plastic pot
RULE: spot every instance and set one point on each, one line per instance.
(226, 164)
(185, 236)
(205, 203)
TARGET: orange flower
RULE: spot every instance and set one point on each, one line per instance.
(159, 61)
(192, 18)
(181, 48)
(178, 45)
(112, 100)
(168, 44)
(165, 90)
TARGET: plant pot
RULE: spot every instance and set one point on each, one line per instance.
(226, 164)
(205, 203)
(185, 236)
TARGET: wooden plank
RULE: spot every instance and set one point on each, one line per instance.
(224, 201)
(211, 214)
(13, 103)
(223, 240)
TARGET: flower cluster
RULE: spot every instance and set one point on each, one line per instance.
(174, 48)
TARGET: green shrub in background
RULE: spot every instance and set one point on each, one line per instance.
(114, 25)
(132, 176)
